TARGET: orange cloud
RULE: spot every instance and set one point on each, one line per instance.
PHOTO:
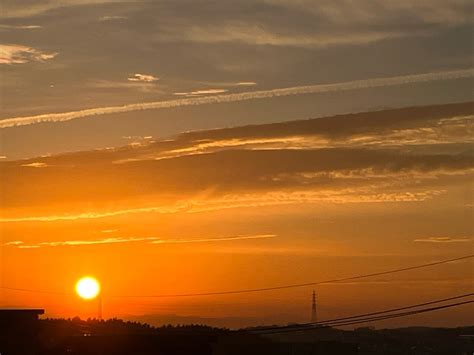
(18, 54)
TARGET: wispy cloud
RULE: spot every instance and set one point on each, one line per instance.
(212, 240)
(433, 12)
(290, 23)
(35, 165)
(109, 231)
(132, 85)
(137, 138)
(256, 35)
(19, 9)
(112, 18)
(340, 196)
(18, 54)
(73, 243)
(443, 240)
(260, 143)
(446, 131)
(19, 27)
(351, 158)
(246, 200)
(14, 242)
(224, 98)
(246, 83)
(201, 92)
(122, 240)
(92, 215)
(146, 78)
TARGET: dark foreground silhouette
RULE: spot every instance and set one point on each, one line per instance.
(27, 335)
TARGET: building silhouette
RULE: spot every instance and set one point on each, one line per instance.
(19, 331)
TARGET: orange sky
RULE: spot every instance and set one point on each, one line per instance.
(280, 204)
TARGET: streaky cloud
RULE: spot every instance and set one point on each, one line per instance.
(19, 27)
(36, 165)
(225, 98)
(122, 240)
(443, 240)
(90, 215)
(112, 18)
(208, 240)
(274, 198)
(393, 156)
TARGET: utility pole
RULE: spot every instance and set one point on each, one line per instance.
(314, 315)
(100, 306)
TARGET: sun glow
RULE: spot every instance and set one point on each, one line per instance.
(88, 288)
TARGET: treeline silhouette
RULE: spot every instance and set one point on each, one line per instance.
(116, 336)
(115, 326)
(119, 337)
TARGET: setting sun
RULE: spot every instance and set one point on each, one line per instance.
(88, 288)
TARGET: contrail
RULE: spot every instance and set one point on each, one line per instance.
(224, 98)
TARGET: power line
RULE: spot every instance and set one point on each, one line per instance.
(341, 322)
(329, 321)
(392, 316)
(401, 314)
(263, 289)
(350, 278)
(403, 308)
(36, 291)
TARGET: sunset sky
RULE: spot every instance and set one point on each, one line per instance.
(174, 147)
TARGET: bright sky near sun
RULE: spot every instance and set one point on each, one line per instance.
(181, 146)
